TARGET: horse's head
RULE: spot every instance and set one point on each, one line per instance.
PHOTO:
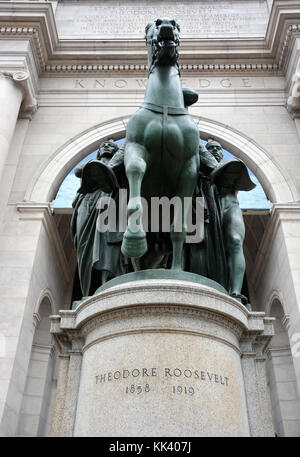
(162, 39)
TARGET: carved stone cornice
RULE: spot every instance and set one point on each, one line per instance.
(46, 350)
(61, 339)
(34, 35)
(141, 311)
(36, 22)
(292, 31)
(278, 352)
(222, 68)
(44, 213)
(279, 212)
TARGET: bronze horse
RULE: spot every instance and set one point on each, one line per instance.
(162, 150)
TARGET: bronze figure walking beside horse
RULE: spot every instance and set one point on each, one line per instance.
(162, 149)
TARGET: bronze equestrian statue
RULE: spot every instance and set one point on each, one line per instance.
(161, 153)
(161, 157)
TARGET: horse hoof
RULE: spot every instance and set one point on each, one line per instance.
(243, 299)
(134, 245)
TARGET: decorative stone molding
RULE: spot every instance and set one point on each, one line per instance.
(288, 211)
(285, 60)
(293, 101)
(36, 319)
(286, 43)
(35, 37)
(44, 212)
(278, 352)
(36, 21)
(275, 295)
(45, 350)
(286, 321)
(29, 104)
(279, 212)
(62, 340)
(138, 311)
(142, 68)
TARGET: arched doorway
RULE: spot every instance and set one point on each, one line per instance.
(285, 399)
(276, 183)
(255, 208)
(38, 397)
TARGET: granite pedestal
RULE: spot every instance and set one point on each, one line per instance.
(161, 357)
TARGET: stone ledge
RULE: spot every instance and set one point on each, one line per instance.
(155, 292)
(162, 297)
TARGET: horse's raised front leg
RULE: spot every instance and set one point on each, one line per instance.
(134, 243)
(186, 186)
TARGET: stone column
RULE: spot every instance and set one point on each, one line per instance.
(60, 395)
(70, 404)
(266, 419)
(64, 412)
(61, 389)
(253, 361)
(14, 91)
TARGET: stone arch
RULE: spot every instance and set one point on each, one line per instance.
(280, 338)
(45, 294)
(282, 381)
(50, 175)
(40, 384)
(275, 296)
(277, 184)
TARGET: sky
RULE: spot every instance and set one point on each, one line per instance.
(252, 200)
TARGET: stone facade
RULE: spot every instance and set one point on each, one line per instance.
(66, 85)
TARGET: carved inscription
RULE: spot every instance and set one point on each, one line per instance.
(137, 389)
(194, 83)
(138, 380)
(115, 18)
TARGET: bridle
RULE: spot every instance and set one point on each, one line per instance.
(154, 44)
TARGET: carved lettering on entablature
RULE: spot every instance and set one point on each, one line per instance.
(115, 18)
(199, 84)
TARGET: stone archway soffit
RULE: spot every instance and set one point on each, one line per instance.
(276, 182)
(45, 294)
(275, 295)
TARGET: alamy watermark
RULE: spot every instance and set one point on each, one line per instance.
(165, 215)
